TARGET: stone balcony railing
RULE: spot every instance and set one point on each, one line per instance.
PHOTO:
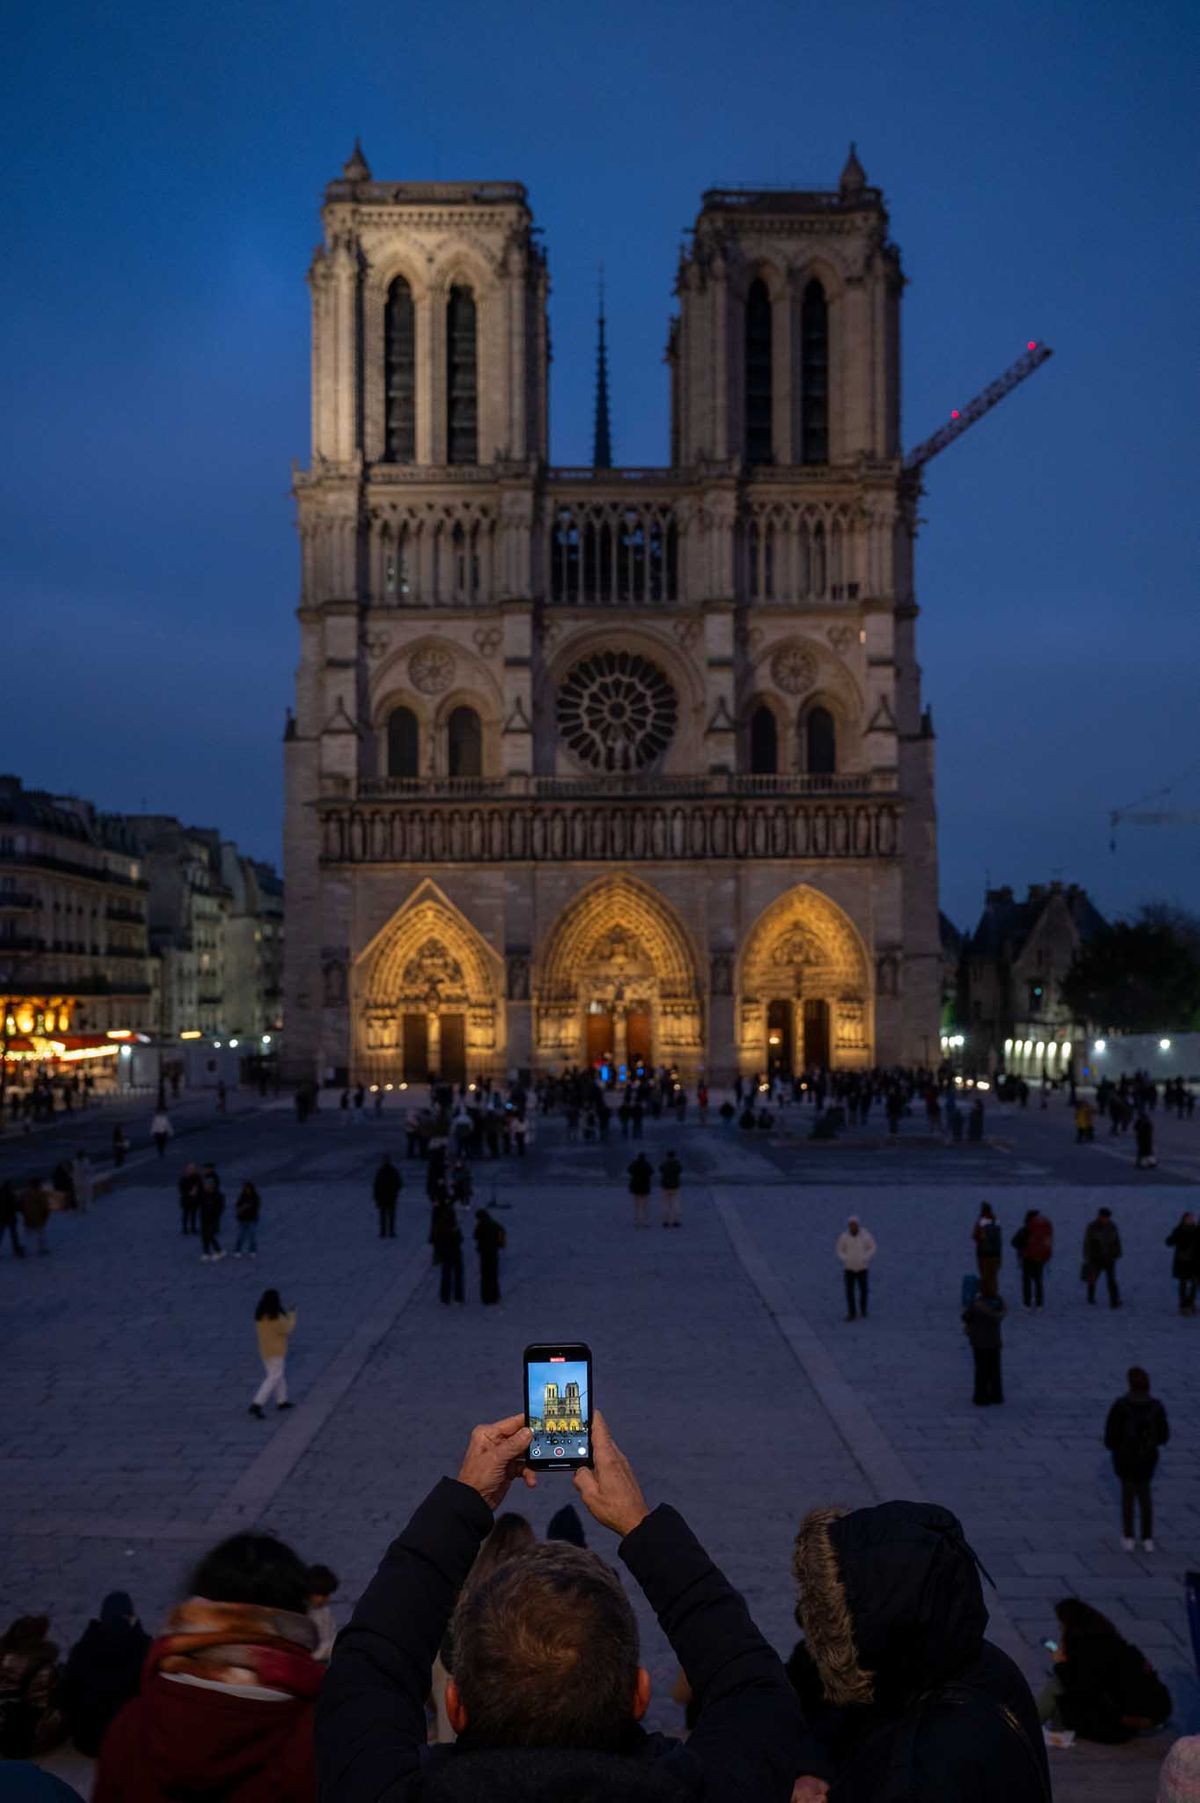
(631, 819)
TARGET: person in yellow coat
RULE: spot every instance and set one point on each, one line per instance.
(275, 1325)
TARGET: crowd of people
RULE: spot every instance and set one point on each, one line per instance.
(482, 1663)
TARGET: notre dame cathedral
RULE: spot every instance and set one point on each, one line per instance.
(606, 764)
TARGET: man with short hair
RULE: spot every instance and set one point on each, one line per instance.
(547, 1693)
(1135, 1429)
(856, 1249)
(1101, 1250)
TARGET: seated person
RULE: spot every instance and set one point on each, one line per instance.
(1102, 1688)
(547, 1694)
(104, 1669)
(227, 1699)
(903, 1692)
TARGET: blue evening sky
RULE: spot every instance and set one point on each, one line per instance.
(163, 166)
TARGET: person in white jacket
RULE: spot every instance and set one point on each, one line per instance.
(856, 1249)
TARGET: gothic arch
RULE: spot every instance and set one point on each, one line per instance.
(803, 963)
(428, 963)
(619, 947)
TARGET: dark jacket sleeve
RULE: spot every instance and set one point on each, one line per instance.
(371, 1706)
(749, 1737)
(1112, 1427)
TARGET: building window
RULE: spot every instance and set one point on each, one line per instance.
(820, 742)
(464, 743)
(400, 366)
(1037, 999)
(764, 741)
(814, 375)
(403, 743)
(758, 374)
(462, 388)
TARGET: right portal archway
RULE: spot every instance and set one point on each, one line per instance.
(804, 989)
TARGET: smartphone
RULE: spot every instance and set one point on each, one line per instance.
(1051, 1646)
(558, 1405)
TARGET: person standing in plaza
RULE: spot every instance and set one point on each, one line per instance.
(85, 1181)
(386, 1188)
(856, 1249)
(247, 1211)
(490, 1241)
(9, 1210)
(274, 1326)
(982, 1320)
(989, 1248)
(670, 1176)
(160, 1131)
(1143, 1140)
(212, 1207)
(1033, 1243)
(446, 1235)
(191, 1188)
(35, 1211)
(641, 1180)
(120, 1145)
(1135, 1429)
(1185, 1265)
(1101, 1250)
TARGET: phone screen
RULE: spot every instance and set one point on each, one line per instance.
(558, 1405)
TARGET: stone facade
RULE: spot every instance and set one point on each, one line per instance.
(1011, 1009)
(596, 762)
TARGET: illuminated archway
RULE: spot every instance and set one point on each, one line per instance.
(427, 997)
(804, 987)
(618, 966)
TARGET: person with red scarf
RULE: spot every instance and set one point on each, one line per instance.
(228, 1690)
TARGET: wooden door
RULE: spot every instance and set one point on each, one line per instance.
(453, 1028)
(416, 1048)
(599, 1039)
(639, 1039)
(779, 1038)
(816, 1035)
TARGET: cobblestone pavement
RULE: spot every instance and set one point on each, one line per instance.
(721, 1359)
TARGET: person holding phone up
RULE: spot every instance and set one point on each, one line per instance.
(548, 1692)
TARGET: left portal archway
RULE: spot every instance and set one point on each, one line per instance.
(618, 981)
(427, 997)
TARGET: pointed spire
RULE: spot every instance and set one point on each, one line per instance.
(602, 438)
(853, 177)
(357, 169)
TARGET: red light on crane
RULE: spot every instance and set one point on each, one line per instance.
(1032, 345)
(954, 413)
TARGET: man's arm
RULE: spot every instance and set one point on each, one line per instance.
(1110, 1426)
(371, 1705)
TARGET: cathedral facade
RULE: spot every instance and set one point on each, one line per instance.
(606, 764)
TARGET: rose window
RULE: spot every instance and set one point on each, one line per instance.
(617, 711)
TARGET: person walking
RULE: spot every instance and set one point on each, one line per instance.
(1101, 1250)
(490, 1240)
(446, 1236)
(1085, 1122)
(386, 1188)
(1185, 1265)
(35, 1212)
(641, 1181)
(856, 1249)
(274, 1326)
(247, 1210)
(670, 1176)
(1135, 1429)
(982, 1319)
(9, 1210)
(120, 1145)
(85, 1181)
(989, 1248)
(1143, 1141)
(1033, 1243)
(212, 1207)
(160, 1131)
(191, 1188)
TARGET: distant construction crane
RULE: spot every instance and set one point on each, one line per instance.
(1138, 814)
(962, 417)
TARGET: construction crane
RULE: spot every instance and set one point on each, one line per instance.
(1138, 814)
(962, 417)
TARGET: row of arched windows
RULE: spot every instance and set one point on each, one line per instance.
(463, 743)
(818, 742)
(814, 375)
(400, 376)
